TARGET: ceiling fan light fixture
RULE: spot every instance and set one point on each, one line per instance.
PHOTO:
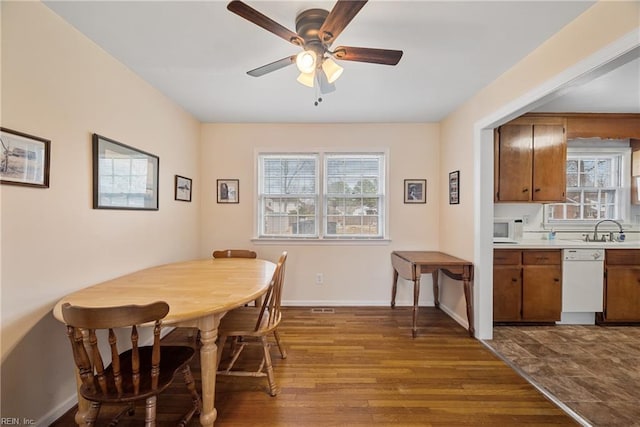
(331, 70)
(306, 79)
(306, 61)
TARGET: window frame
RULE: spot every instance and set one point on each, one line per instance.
(623, 194)
(320, 235)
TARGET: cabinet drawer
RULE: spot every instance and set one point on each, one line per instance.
(535, 257)
(622, 256)
(506, 257)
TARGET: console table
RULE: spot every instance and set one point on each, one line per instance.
(411, 264)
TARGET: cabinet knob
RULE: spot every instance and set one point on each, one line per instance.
(525, 190)
(536, 190)
(556, 280)
(514, 280)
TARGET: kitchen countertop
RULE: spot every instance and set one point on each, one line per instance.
(570, 244)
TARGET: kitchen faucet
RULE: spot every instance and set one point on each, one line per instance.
(595, 231)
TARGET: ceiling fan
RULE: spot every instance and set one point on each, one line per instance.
(316, 30)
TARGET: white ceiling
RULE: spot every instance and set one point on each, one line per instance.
(198, 53)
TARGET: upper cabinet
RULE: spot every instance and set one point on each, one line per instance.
(530, 160)
(604, 126)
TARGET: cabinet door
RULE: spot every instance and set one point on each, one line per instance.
(507, 293)
(541, 293)
(549, 163)
(514, 163)
(622, 294)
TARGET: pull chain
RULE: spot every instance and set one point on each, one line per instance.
(318, 97)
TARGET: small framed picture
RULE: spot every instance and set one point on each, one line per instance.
(454, 188)
(183, 188)
(24, 159)
(415, 191)
(228, 191)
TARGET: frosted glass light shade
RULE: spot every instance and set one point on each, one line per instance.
(332, 70)
(306, 61)
(306, 79)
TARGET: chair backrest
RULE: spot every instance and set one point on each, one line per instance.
(270, 312)
(95, 380)
(234, 253)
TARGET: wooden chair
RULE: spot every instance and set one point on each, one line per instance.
(234, 253)
(140, 373)
(252, 325)
(237, 253)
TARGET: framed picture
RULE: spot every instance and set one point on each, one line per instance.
(24, 159)
(454, 188)
(123, 177)
(183, 188)
(228, 191)
(415, 191)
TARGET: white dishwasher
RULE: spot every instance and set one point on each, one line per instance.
(582, 285)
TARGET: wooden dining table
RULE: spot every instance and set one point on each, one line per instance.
(198, 292)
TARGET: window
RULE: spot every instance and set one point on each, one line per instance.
(597, 187)
(342, 198)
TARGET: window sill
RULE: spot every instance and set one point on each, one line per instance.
(301, 241)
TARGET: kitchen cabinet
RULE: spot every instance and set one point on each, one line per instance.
(507, 285)
(527, 285)
(635, 171)
(530, 157)
(622, 286)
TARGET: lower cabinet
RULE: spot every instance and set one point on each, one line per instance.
(527, 285)
(622, 285)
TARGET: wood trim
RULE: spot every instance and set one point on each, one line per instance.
(539, 119)
(594, 125)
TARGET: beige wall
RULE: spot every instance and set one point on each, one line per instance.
(58, 85)
(353, 274)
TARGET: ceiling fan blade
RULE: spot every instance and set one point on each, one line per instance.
(252, 15)
(339, 17)
(276, 65)
(365, 54)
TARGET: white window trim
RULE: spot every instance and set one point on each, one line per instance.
(321, 239)
(625, 181)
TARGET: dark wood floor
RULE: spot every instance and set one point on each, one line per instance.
(360, 367)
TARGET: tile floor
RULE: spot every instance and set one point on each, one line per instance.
(593, 370)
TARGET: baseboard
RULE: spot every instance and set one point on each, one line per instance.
(334, 303)
(461, 320)
(54, 414)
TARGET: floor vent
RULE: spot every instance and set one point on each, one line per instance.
(323, 310)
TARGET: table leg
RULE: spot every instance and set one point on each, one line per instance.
(467, 278)
(436, 290)
(394, 288)
(416, 296)
(208, 364)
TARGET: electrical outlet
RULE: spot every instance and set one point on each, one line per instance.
(525, 219)
(319, 278)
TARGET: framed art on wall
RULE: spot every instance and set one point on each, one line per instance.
(454, 188)
(415, 191)
(123, 177)
(24, 159)
(183, 188)
(228, 190)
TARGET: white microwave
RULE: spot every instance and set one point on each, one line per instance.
(507, 230)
